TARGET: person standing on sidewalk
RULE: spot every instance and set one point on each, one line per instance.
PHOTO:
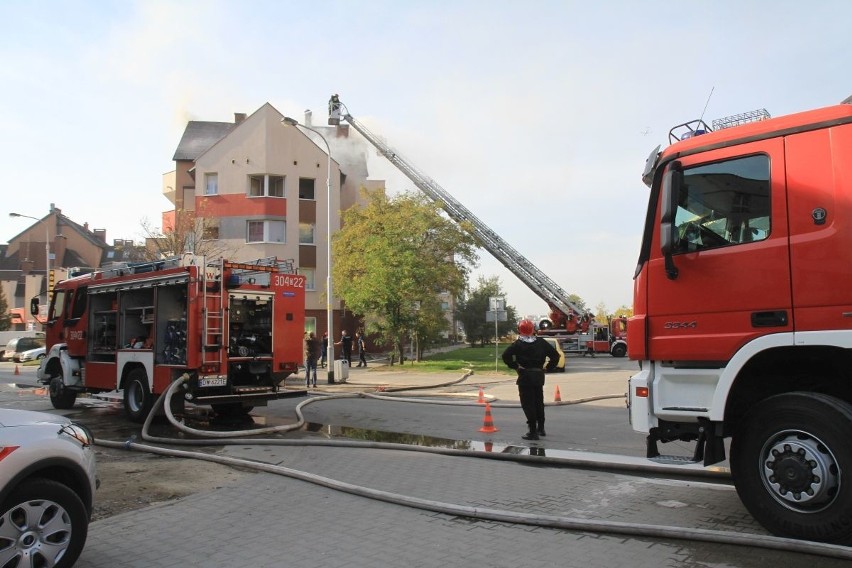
(527, 355)
(311, 351)
(324, 349)
(346, 345)
(362, 349)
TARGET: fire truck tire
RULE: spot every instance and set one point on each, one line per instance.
(137, 396)
(60, 397)
(619, 350)
(787, 461)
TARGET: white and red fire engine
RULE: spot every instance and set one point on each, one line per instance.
(743, 311)
(236, 329)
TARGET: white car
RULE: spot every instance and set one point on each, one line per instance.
(47, 488)
(30, 355)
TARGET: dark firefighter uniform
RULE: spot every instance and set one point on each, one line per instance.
(527, 356)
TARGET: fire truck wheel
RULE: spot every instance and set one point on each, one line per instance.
(787, 461)
(137, 396)
(60, 397)
(619, 350)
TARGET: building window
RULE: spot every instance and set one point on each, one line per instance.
(211, 184)
(306, 233)
(307, 188)
(310, 277)
(310, 325)
(266, 231)
(265, 185)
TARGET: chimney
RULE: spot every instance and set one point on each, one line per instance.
(308, 115)
(86, 226)
(100, 234)
(239, 117)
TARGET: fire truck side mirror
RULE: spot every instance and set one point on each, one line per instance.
(672, 183)
(34, 306)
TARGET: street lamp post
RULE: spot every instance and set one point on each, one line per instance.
(46, 250)
(329, 308)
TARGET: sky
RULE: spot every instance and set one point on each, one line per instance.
(537, 116)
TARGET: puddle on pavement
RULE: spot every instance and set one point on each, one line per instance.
(107, 421)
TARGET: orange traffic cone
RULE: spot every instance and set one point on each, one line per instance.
(17, 371)
(556, 396)
(488, 426)
(481, 397)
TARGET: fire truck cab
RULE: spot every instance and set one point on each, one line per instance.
(743, 312)
(234, 329)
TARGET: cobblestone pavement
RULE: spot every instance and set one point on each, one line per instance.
(266, 520)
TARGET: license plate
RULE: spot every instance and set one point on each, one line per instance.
(213, 382)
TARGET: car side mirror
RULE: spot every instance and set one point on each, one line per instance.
(34, 306)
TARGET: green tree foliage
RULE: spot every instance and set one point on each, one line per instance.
(5, 317)
(579, 302)
(471, 312)
(625, 311)
(602, 315)
(391, 259)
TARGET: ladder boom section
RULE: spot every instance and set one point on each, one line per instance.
(515, 262)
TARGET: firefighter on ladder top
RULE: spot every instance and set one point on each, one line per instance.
(334, 110)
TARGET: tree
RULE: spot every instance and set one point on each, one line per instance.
(391, 259)
(5, 317)
(603, 316)
(579, 302)
(191, 231)
(601, 313)
(472, 308)
(624, 311)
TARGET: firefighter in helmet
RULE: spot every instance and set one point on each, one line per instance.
(528, 355)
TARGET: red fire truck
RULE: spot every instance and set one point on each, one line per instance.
(743, 311)
(236, 329)
(587, 337)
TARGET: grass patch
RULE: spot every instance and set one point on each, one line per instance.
(480, 359)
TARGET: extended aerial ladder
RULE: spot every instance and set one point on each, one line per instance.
(537, 281)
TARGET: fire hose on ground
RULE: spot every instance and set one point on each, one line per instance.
(532, 519)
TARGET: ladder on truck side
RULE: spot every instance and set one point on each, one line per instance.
(213, 339)
(515, 262)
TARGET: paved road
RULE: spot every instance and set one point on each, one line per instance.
(268, 520)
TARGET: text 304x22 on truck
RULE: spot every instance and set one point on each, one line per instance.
(233, 330)
(743, 312)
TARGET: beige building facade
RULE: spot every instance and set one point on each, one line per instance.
(261, 187)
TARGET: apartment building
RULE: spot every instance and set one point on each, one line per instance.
(261, 187)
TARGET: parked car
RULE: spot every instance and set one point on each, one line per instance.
(47, 488)
(19, 345)
(31, 355)
(560, 366)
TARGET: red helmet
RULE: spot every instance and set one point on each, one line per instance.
(526, 327)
